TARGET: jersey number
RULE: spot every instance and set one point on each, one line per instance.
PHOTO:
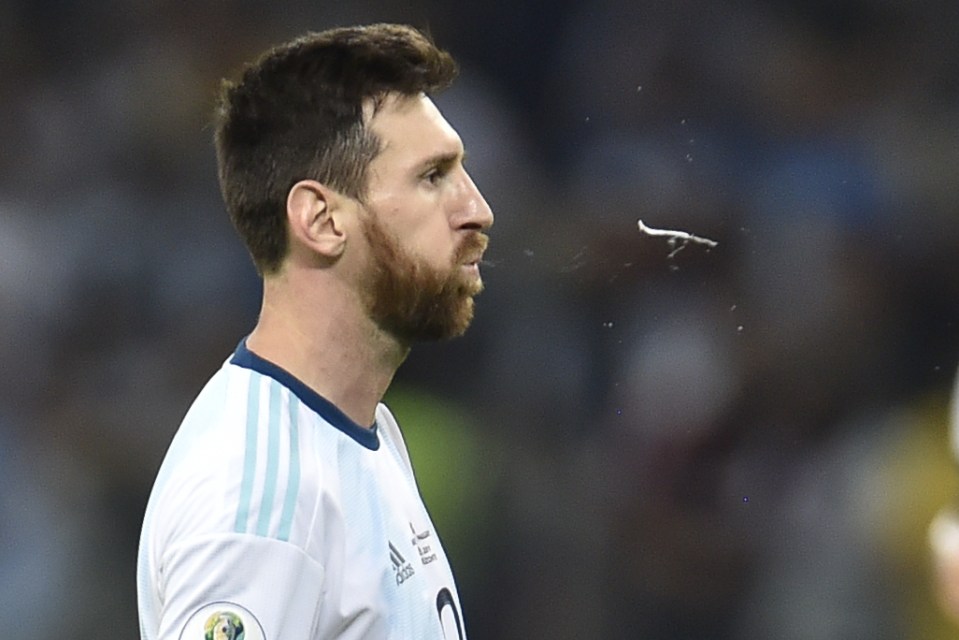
(444, 600)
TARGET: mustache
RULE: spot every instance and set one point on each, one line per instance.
(472, 247)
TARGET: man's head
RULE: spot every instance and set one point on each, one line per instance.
(298, 113)
(332, 154)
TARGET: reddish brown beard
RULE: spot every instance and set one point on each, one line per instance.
(412, 300)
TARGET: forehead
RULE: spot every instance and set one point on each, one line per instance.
(412, 130)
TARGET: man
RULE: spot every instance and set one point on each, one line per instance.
(286, 507)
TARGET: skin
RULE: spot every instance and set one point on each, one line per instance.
(944, 541)
(315, 320)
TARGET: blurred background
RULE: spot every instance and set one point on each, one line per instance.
(635, 440)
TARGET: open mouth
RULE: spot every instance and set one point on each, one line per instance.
(470, 253)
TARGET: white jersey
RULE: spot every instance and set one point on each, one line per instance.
(275, 516)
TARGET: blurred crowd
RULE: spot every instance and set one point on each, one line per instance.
(637, 438)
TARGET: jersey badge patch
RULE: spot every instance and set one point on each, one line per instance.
(222, 621)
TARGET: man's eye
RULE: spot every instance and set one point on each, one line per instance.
(435, 176)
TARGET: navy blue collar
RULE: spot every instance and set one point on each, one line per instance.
(245, 358)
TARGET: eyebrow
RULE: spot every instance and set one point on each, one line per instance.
(444, 160)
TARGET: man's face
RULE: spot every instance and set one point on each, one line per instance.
(423, 225)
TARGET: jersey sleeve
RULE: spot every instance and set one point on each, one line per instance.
(219, 585)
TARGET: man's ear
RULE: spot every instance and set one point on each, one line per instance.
(313, 213)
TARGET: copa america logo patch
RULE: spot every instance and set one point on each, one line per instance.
(222, 621)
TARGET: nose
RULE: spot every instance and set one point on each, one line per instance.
(473, 211)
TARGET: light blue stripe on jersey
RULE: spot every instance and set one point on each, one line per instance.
(293, 484)
(249, 461)
(272, 461)
(367, 437)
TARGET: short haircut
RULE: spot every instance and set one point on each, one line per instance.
(296, 113)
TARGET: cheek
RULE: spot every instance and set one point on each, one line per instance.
(421, 228)
(434, 245)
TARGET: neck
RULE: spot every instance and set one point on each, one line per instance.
(323, 336)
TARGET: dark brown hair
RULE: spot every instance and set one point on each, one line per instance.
(297, 113)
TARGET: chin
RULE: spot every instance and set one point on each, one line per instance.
(452, 325)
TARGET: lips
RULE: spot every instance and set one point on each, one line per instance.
(471, 252)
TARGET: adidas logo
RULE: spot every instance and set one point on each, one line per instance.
(404, 570)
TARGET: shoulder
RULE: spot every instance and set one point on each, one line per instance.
(236, 463)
